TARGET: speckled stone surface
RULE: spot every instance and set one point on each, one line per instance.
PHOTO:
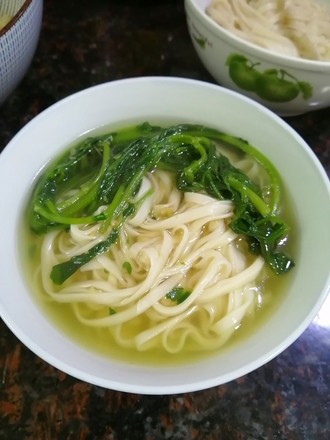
(84, 43)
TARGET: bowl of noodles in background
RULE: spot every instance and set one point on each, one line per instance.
(275, 52)
(20, 24)
(124, 259)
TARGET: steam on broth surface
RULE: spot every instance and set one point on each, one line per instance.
(176, 279)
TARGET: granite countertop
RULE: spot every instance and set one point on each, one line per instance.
(83, 43)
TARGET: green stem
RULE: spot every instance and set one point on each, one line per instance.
(62, 271)
(244, 190)
(87, 191)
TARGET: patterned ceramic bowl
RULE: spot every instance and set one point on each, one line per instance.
(285, 84)
(20, 23)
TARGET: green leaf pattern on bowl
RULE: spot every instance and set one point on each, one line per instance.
(200, 41)
(275, 85)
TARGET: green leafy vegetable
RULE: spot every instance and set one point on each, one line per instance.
(96, 181)
(178, 295)
(63, 271)
(127, 266)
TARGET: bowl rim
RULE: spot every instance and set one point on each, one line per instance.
(217, 30)
(15, 18)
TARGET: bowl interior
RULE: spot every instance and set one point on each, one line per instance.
(180, 100)
(10, 8)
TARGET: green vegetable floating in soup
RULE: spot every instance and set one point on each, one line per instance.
(160, 234)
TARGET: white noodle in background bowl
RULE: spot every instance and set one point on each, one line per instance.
(179, 100)
(306, 81)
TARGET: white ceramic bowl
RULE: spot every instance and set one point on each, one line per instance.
(183, 100)
(18, 41)
(215, 46)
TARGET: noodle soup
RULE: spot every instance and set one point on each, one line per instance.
(176, 282)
